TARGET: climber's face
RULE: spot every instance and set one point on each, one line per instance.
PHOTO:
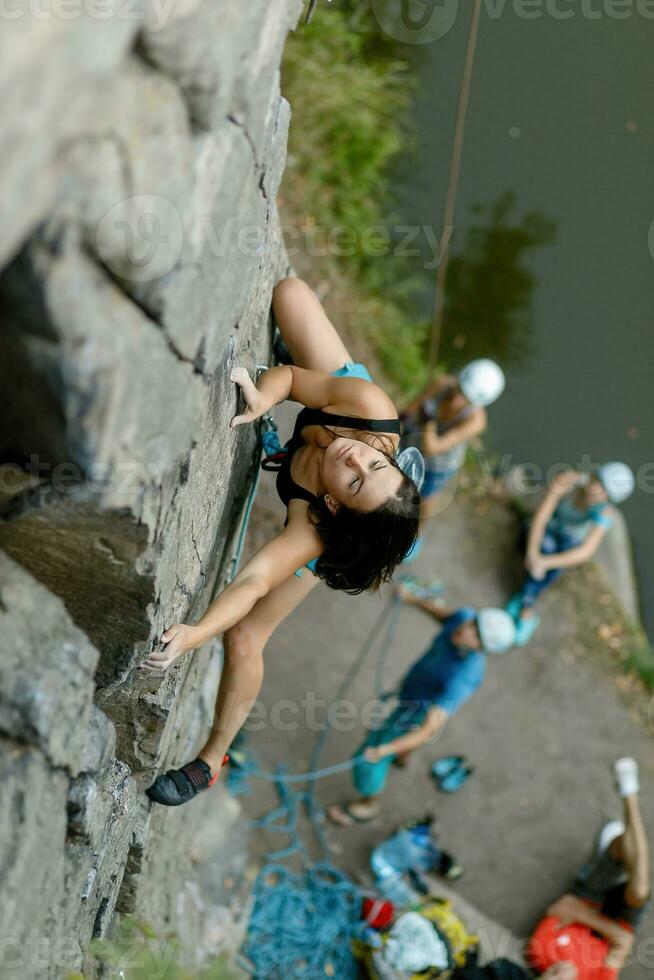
(357, 475)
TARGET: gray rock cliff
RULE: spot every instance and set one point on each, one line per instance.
(142, 150)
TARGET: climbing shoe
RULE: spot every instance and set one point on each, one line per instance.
(178, 786)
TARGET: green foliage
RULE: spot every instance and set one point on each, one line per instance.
(136, 952)
(349, 94)
(638, 657)
(345, 129)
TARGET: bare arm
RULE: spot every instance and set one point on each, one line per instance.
(474, 425)
(575, 556)
(430, 389)
(439, 613)
(279, 558)
(315, 389)
(560, 486)
(431, 726)
(569, 909)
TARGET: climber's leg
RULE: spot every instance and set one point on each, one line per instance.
(239, 685)
(242, 672)
(310, 336)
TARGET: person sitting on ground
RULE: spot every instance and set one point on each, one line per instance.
(434, 688)
(446, 415)
(352, 516)
(566, 530)
(588, 934)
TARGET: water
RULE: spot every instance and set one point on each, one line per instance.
(562, 115)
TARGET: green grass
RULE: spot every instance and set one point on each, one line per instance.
(136, 952)
(348, 95)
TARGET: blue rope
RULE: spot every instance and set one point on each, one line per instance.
(302, 925)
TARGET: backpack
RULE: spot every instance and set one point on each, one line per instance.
(378, 953)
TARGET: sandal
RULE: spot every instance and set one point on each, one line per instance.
(455, 779)
(342, 815)
(525, 629)
(445, 765)
(177, 786)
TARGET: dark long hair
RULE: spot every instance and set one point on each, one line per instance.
(362, 549)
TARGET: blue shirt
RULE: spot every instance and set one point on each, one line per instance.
(446, 675)
(569, 522)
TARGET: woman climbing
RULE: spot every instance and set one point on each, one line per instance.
(445, 416)
(352, 515)
(566, 530)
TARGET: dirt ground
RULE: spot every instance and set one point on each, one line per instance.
(542, 733)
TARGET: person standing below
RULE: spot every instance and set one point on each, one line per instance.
(445, 416)
(436, 687)
(566, 530)
(588, 934)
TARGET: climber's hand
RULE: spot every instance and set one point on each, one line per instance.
(177, 640)
(536, 567)
(256, 403)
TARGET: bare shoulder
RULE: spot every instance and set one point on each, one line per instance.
(300, 527)
(444, 381)
(365, 398)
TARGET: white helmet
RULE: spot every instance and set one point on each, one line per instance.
(482, 382)
(618, 481)
(497, 630)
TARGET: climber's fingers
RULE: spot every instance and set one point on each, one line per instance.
(240, 377)
(177, 639)
(171, 632)
(158, 661)
(254, 402)
(242, 419)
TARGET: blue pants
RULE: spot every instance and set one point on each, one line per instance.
(370, 777)
(434, 482)
(552, 544)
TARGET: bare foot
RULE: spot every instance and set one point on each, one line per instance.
(347, 814)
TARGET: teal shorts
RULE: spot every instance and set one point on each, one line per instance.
(370, 777)
(349, 370)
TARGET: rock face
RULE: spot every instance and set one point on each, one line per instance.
(142, 155)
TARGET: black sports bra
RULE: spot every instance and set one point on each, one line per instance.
(287, 488)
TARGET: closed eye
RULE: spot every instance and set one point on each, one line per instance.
(374, 466)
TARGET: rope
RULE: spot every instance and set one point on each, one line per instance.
(302, 925)
(452, 186)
